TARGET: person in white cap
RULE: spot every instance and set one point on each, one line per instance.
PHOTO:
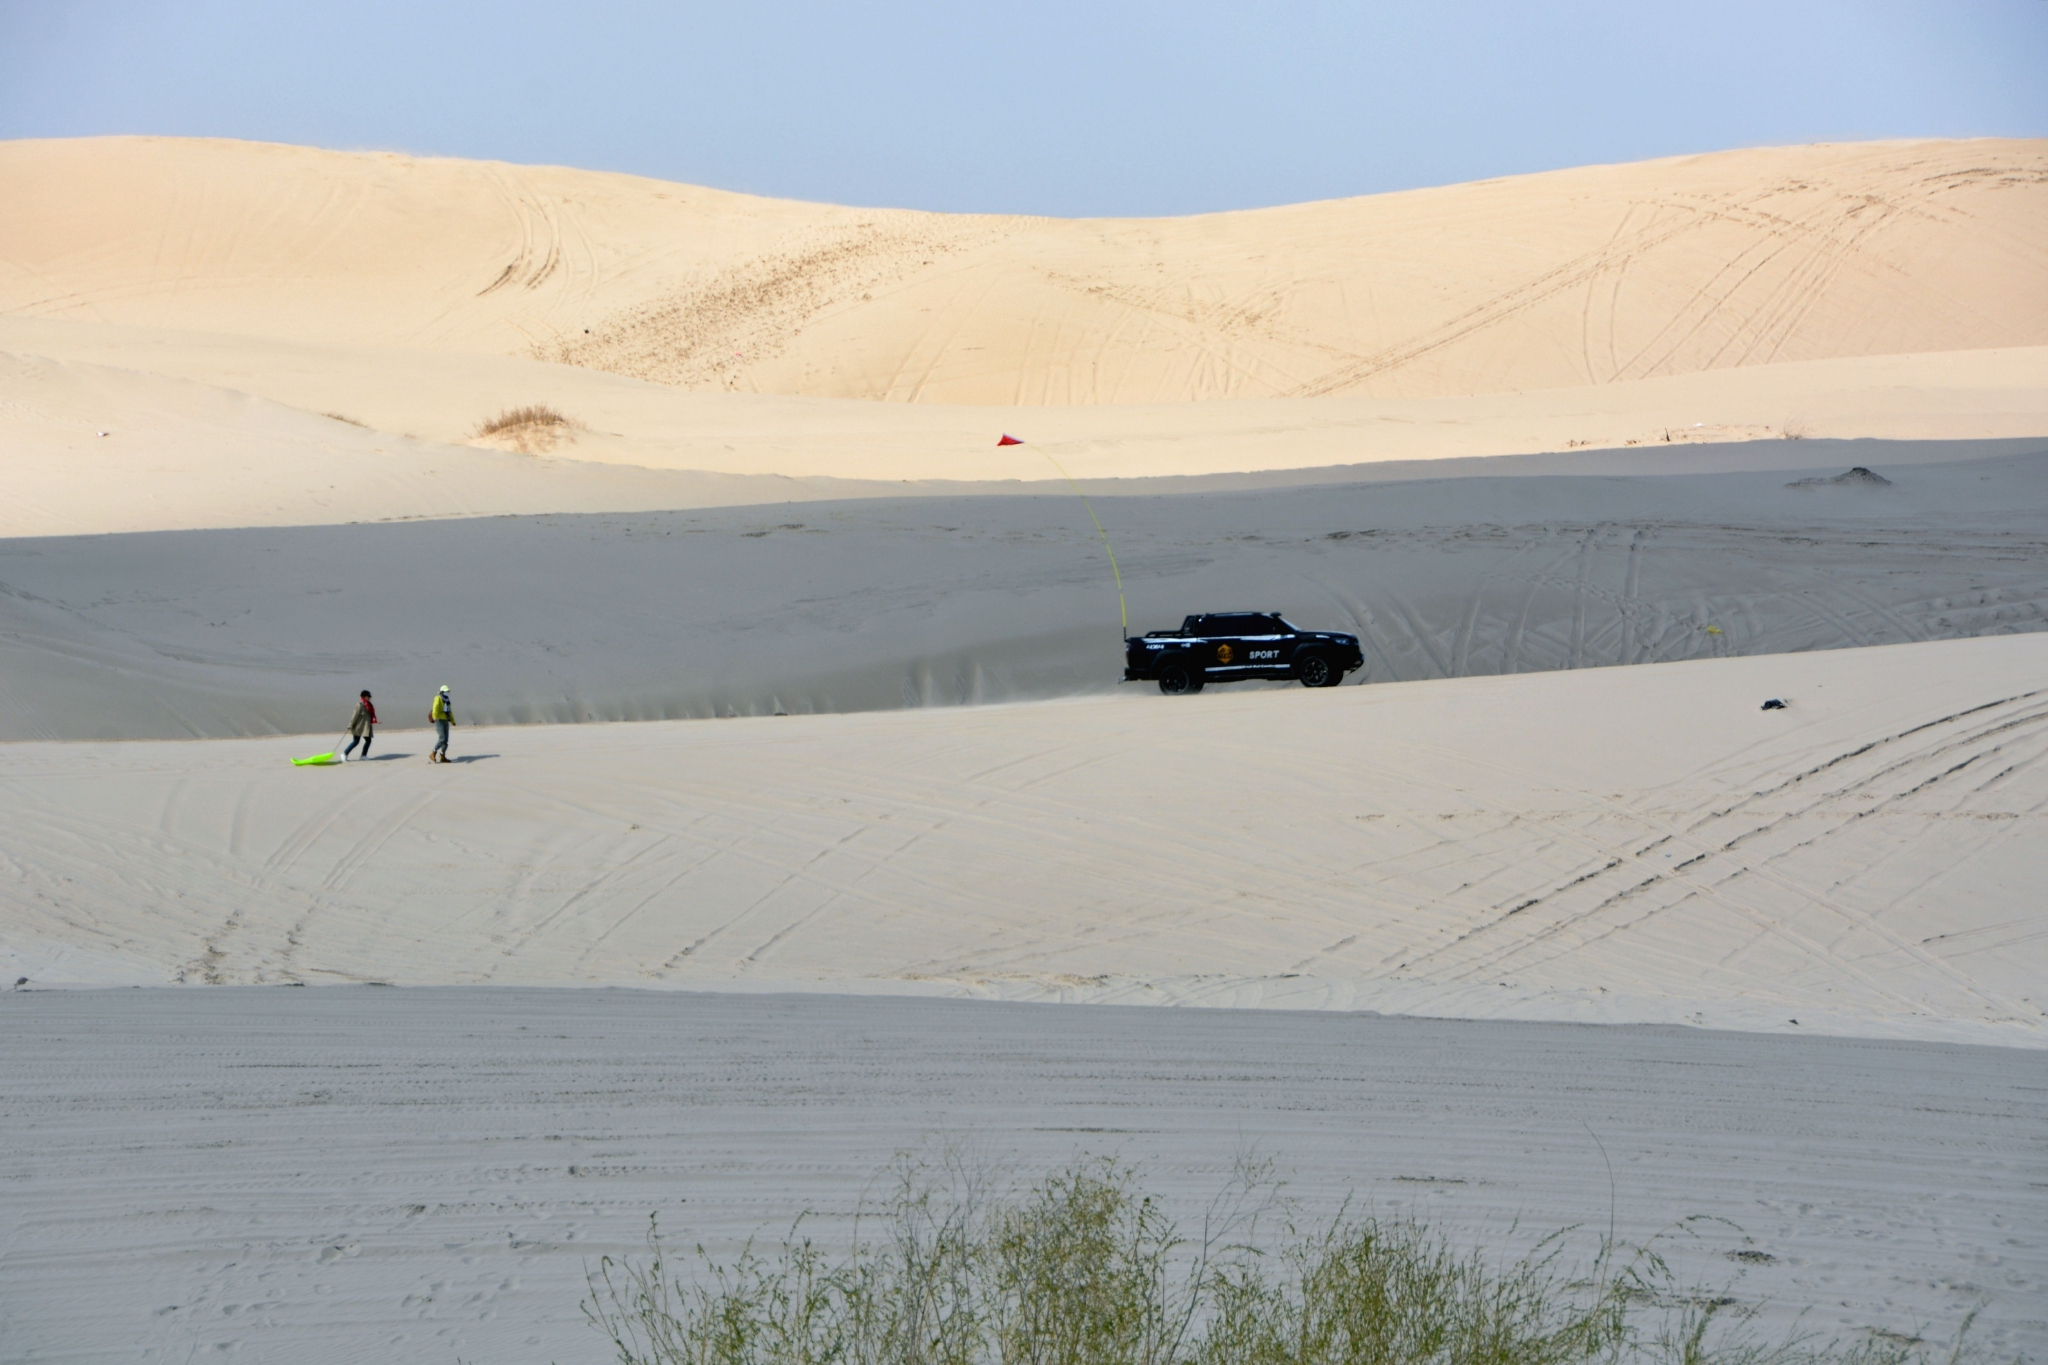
(443, 716)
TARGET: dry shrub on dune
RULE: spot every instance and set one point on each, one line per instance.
(532, 415)
(531, 430)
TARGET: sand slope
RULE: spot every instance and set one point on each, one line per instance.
(212, 430)
(93, 450)
(1563, 279)
(421, 1176)
(1638, 844)
(945, 600)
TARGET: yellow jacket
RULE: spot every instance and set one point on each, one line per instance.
(441, 709)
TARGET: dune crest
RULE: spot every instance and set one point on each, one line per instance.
(1563, 279)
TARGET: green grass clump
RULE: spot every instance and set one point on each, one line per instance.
(1083, 1269)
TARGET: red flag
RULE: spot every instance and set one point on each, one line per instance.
(1009, 440)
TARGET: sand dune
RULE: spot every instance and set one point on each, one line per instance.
(91, 450)
(1524, 427)
(948, 600)
(272, 335)
(208, 430)
(967, 598)
(1558, 280)
(1616, 845)
(275, 336)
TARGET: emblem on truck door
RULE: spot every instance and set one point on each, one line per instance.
(1224, 654)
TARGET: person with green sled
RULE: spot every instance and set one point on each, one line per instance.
(443, 716)
(359, 731)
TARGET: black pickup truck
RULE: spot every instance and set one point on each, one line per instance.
(1227, 646)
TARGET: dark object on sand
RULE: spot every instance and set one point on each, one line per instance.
(1858, 477)
(1230, 646)
(1774, 704)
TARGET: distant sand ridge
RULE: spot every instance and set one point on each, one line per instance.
(1563, 279)
(211, 334)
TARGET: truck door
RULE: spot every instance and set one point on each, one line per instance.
(1224, 653)
(1268, 646)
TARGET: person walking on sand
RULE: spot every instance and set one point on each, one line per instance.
(359, 728)
(443, 716)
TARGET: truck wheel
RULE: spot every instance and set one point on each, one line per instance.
(1316, 671)
(1177, 680)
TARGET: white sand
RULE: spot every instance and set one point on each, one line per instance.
(1491, 428)
(370, 1176)
(218, 298)
(1612, 845)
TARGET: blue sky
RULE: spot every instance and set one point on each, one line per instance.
(1056, 108)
